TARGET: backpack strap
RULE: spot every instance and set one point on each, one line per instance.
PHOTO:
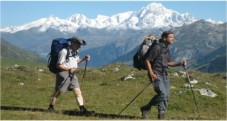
(161, 48)
(149, 49)
(67, 55)
(162, 52)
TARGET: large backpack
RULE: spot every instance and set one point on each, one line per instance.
(141, 55)
(56, 46)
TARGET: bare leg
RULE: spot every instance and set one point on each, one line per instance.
(78, 96)
(54, 97)
(80, 102)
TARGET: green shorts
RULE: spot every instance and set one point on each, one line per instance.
(64, 82)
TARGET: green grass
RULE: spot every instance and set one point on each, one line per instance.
(104, 92)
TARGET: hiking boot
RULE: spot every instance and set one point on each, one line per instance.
(84, 111)
(161, 115)
(51, 109)
(145, 112)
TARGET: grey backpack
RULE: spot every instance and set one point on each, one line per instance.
(140, 56)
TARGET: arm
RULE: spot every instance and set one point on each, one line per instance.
(63, 68)
(87, 57)
(150, 70)
(174, 64)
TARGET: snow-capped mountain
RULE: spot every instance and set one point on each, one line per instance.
(155, 15)
(214, 22)
(44, 24)
(130, 28)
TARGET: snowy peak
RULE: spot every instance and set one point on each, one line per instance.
(214, 22)
(76, 17)
(154, 15)
(154, 8)
(58, 24)
(78, 20)
(43, 24)
(55, 23)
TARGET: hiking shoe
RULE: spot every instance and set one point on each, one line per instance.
(145, 112)
(86, 112)
(161, 115)
(51, 109)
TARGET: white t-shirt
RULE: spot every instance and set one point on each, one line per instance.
(72, 60)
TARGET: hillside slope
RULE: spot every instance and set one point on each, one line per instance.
(106, 91)
(10, 52)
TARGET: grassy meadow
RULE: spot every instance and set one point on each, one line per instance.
(29, 85)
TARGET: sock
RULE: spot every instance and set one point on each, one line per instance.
(51, 106)
(82, 108)
(161, 112)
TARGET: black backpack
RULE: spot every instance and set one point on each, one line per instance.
(139, 59)
(56, 46)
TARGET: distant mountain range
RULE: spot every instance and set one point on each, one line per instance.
(154, 15)
(116, 38)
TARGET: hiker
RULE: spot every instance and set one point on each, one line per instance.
(66, 78)
(157, 62)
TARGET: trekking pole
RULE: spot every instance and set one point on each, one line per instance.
(134, 98)
(85, 68)
(191, 89)
(61, 86)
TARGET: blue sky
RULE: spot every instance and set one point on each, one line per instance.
(14, 13)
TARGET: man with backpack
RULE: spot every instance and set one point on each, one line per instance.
(67, 64)
(157, 62)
